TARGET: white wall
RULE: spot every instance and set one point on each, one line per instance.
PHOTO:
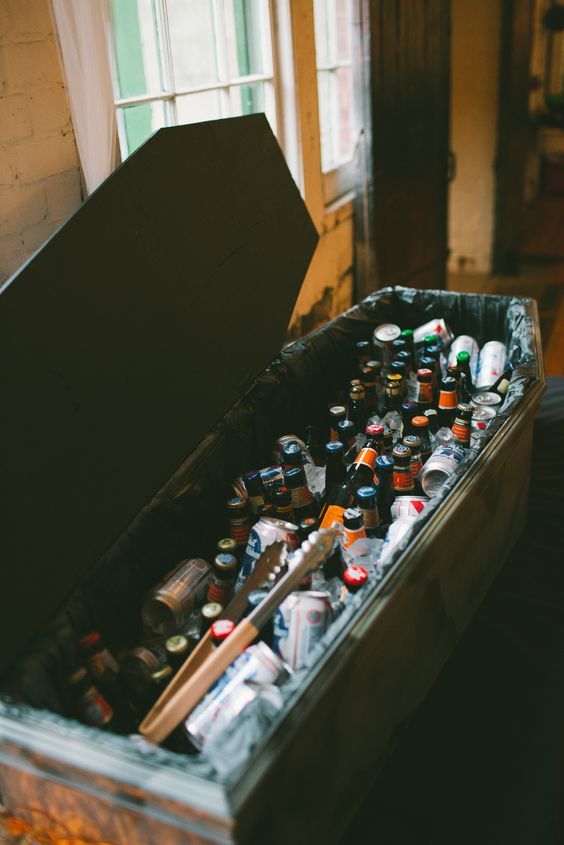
(475, 54)
(39, 172)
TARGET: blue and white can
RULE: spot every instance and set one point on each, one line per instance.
(255, 667)
(263, 534)
(299, 623)
(440, 466)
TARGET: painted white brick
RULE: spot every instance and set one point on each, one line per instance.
(12, 255)
(30, 19)
(15, 122)
(48, 108)
(63, 194)
(28, 64)
(22, 207)
(37, 159)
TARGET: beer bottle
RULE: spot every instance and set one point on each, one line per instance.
(448, 400)
(366, 502)
(267, 509)
(433, 417)
(501, 385)
(388, 441)
(405, 357)
(226, 546)
(374, 437)
(361, 473)
(357, 407)
(159, 682)
(104, 671)
(420, 425)
(368, 379)
(386, 494)
(282, 503)
(335, 467)
(428, 363)
(434, 351)
(291, 455)
(306, 527)
(398, 345)
(463, 364)
(253, 486)
(461, 427)
(303, 503)
(424, 396)
(336, 414)
(376, 367)
(363, 352)
(239, 522)
(403, 481)
(314, 446)
(177, 649)
(90, 706)
(408, 411)
(353, 526)
(400, 368)
(347, 436)
(224, 573)
(407, 335)
(394, 390)
(416, 462)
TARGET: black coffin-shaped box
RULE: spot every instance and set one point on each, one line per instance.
(138, 379)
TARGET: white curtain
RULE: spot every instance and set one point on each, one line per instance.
(82, 27)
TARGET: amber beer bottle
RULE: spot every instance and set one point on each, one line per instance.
(463, 364)
(282, 501)
(420, 425)
(336, 414)
(448, 401)
(361, 473)
(239, 522)
(462, 425)
(357, 407)
(353, 525)
(335, 467)
(255, 492)
(366, 501)
(386, 494)
(224, 573)
(303, 504)
(414, 444)
(403, 479)
(424, 389)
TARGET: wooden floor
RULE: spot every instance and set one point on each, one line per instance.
(545, 283)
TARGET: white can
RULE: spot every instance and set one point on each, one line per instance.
(491, 363)
(437, 327)
(408, 507)
(299, 623)
(442, 463)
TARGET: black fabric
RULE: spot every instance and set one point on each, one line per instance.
(482, 761)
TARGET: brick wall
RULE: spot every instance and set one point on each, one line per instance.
(39, 174)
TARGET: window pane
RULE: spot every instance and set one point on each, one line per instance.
(343, 29)
(193, 108)
(246, 24)
(247, 99)
(137, 51)
(345, 117)
(192, 41)
(324, 91)
(322, 33)
(141, 121)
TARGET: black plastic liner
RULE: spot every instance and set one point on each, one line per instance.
(187, 516)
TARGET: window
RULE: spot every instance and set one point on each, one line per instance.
(333, 42)
(183, 61)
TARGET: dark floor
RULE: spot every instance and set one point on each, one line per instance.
(482, 760)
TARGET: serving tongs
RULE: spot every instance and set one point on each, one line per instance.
(205, 665)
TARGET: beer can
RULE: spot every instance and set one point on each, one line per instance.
(442, 463)
(487, 399)
(465, 343)
(299, 623)
(408, 507)
(382, 339)
(481, 417)
(263, 534)
(171, 602)
(257, 665)
(491, 363)
(433, 327)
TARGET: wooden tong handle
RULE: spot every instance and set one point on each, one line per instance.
(177, 705)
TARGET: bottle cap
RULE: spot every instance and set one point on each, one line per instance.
(464, 411)
(406, 333)
(236, 504)
(177, 644)
(307, 525)
(346, 428)
(226, 545)
(338, 412)
(365, 493)
(334, 447)
(375, 366)
(225, 561)
(368, 374)
(430, 339)
(211, 610)
(399, 344)
(352, 518)
(409, 406)
(412, 442)
(264, 510)
(385, 463)
(388, 434)
(292, 453)
(374, 430)
(420, 422)
(221, 629)
(401, 452)
(428, 363)
(254, 599)
(448, 383)
(424, 374)
(398, 366)
(386, 332)
(357, 392)
(434, 350)
(463, 357)
(161, 674)
(394, 378)
(355, 577)
(363, 346)
(355, 382)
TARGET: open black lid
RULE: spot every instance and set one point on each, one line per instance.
(130, 334)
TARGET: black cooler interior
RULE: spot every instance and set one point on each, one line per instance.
(235, 426)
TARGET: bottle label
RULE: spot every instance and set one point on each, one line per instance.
(220, 591)
(352, 535)
(461, 430)
(239, 531)
(416, 466)
(448, 400)
(333, 514)
(403, 481)
(367, 457)
(370, 517)
(301, 496)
